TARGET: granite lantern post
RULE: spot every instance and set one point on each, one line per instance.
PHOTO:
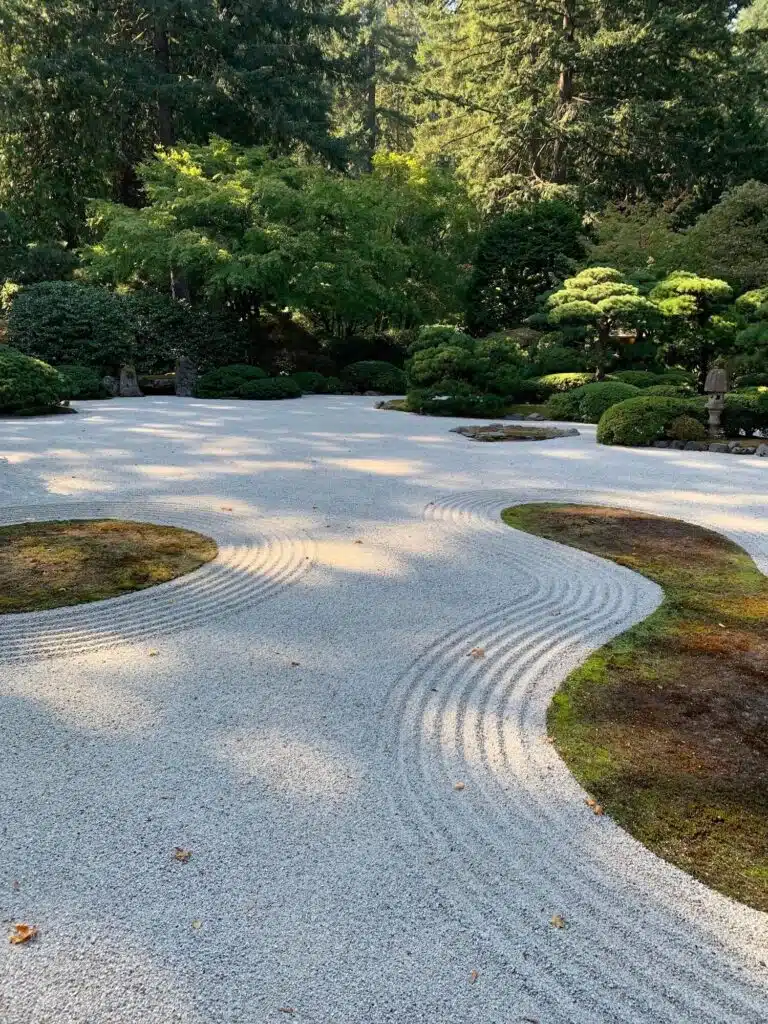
(716, 387)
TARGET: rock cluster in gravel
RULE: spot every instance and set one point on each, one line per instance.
(500, 432)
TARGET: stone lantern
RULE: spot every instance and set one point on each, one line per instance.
(716, 387)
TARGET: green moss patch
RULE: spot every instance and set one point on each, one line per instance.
(50, 565)
(667, 725)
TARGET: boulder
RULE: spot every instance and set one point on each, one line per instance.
(762, 451)
(129, 383)
(678, 445)
(111, 385)
(186, 377)
(696, 446)
(536, 416)
(660, 444)
(720, 446)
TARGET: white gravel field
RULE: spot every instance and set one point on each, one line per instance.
(298, 712)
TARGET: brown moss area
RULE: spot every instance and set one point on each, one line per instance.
(50, 565)
(667, 726)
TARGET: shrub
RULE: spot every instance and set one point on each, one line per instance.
(753, 380)
(680, 378)
(432, 335)
(686, 428)
(164, 329)
(82, 382)
(374, 375)
(644, 419)
(666, 390)
(457, 399)
(269, 388)
(746, 412)
(70, 323)
(563, 405)
(28, 384)
(638, 378)
(594, 399)
(310, 382)
(565, 381)
(225, 381)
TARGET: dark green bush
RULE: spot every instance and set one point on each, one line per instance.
(565, 381)
(374, 375)
(310, 382)
(644, 419)
(165, 329)
(457, 399)
(679, 378)
(226, 380)
(746, 412)
(752, 380)
(563, 405)
(28, 384)
(594, 399)
(666, 390)
(637, 378)
(430, 367)
(64, 322)
(82, 382)
(686, 428)
(268, 388)
(432, 335)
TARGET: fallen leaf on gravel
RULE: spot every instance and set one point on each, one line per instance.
(549, 739)
(557, 921)
(226, 508)
(295, 664)
(477, 652)
(358, 542)
(22, 933)
(197, 924)
(15, 884)
(153, 654)
(459, 785)
(473, 976)
(598, 809)
(590, 802)
(285, 1009)
(181, 854)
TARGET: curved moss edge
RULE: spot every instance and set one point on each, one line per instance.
(666, 725)
(69, 562)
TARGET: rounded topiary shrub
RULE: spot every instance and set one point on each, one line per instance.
(374, 375)
(562, 406)
(82, 382)
(225, 381)
(637, 378)
(457, 399)
(565, 381)
(70, 323)
(310, 382)
(269, 388)
(594, 399)
(666, 390)
(27, 384)
(432, 335)
(644, 419)
(746, 412)
(686, 428)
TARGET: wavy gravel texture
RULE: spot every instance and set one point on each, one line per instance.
(299, 712)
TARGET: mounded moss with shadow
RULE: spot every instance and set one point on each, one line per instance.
(52, 565)
(667, 725)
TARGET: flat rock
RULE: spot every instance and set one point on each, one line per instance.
(720, 446)
(501, 432)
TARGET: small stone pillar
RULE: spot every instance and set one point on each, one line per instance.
(186, 377)
(716, 387)
(129, 383)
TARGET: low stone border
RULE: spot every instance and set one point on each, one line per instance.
(721, 447)
(501, 432)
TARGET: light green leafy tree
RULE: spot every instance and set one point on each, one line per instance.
(610, 310)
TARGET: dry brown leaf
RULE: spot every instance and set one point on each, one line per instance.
(473, 976)
(549, 739)
(557, 921)
(477, 652)
(358, 542)
(295, 664)
(22, 933)
(590, 802)
(598, 809)
(181, 854)
(459, 785)
(226, 508)
(285, 1009)
(153, 654)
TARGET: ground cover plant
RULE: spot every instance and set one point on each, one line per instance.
(50, 565)
(666, 725)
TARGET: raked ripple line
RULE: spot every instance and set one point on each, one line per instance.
(254, 561)
(518, 843)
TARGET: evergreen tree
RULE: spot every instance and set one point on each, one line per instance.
(642, 98)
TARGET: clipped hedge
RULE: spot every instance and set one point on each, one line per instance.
(28, 384)
(594, 399)
(746, 412)
(666, 390)
(644, 419)
(456, 400)
(554, 382)
(686, 428)
(226, 380)
(266, 388)
(313, 383)
(564, 405)
(82, 382)
(637, 378)
(374, 375)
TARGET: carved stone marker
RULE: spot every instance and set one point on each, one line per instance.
(716, 387)
(186, 377)
(129, 384)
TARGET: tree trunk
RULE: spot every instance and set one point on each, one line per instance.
(564, 100)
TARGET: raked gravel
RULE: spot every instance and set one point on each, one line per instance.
(298, 713)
